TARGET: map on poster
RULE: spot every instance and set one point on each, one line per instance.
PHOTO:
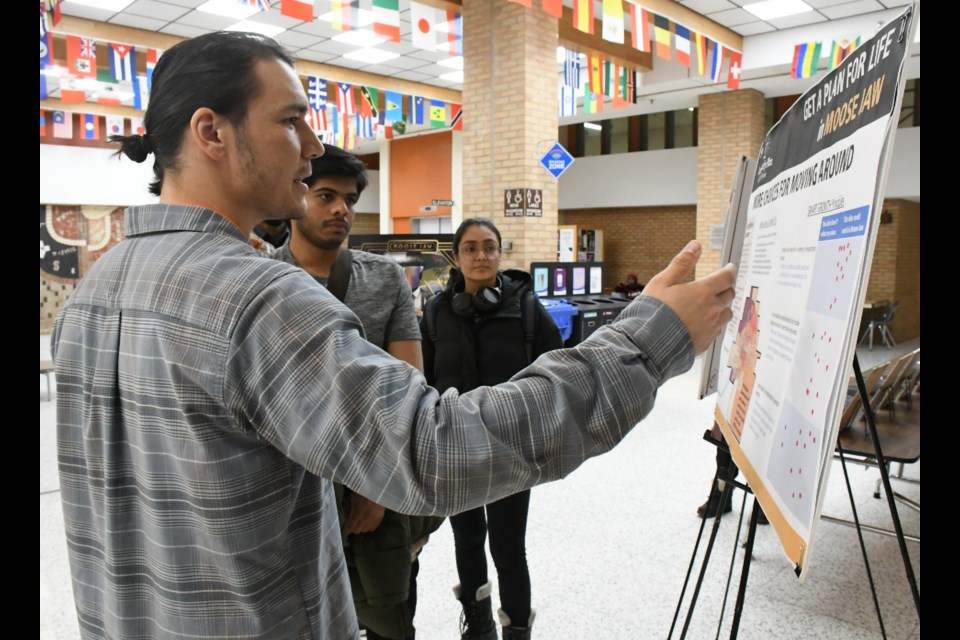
(807, 246)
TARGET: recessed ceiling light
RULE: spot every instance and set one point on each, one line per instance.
(453, 76)
(359, 38)
(592, 125)
(112, 5)
(228, 8)
(453, 62)
(269, 30)
(371, 56)
(771, 9)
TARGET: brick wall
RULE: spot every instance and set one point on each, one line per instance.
(636, 239)
(510, 110)
(731, 124)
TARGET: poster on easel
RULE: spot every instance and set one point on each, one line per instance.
(808, 243)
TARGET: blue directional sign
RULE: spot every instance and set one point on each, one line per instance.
(557, 160)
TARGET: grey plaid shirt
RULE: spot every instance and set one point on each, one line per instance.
(207, 396)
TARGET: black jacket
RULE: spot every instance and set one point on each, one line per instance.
(484, 349)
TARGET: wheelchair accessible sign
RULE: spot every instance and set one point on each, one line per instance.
(557, 160)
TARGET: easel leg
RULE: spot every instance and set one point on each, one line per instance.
(745, 572)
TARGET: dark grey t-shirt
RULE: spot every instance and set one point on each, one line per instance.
(378, 294)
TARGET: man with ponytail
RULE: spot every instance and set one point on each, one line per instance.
(208, 398)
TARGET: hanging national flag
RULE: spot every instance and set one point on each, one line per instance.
(345, 103)
(700, 41)
(592, 102)
(141, 95)
(568, 101)
(55, 10)
(393, 111)
(639, 27)
(299, 9)
(621, 97)
(612, 21)
(122, 62)
(72, 91)
(346, 14)
(661, 32)
(682, 44)
(108, 95)
(259, 5)
(417, 110)
(386, 19)
(454, 45)
(46, 51)
(136, 127)
(736, 68)
(62, 124)
(583, 16)
(423, 26)
(841, 50)
(596, 74)
(91, 127)
(609, 77)
(806, 56)
(371, 100)
(317, 102)
(717, 61)
(571, 68)
(363, 126)
(43, 123)
(82, 56)
(115, 125)
(553, 7)
(456, 117)
(152, 56)
(438, 114)
(43, 87)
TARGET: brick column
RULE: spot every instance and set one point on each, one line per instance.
(510, 120)
(731, 124)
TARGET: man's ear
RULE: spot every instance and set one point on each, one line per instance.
(208, 131)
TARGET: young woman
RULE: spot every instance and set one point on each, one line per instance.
(483, 328)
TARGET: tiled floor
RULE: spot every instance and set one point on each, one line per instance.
(608, 547)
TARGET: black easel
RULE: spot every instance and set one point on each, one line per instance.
(726, 475)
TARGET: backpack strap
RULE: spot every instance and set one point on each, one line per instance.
(430, 315)
(339, 279)
(529, 317)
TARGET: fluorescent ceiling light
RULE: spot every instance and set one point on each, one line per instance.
(228, 8)
(364, 17)
(359, 38)
(771, 9)
(269, 30)
(371, 56)
(453, 76)
(453, 62)
(592, 125)
(112, 5)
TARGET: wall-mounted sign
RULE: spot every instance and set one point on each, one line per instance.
(442, 203)
(513, 203)
(557, 160)
(533, 202)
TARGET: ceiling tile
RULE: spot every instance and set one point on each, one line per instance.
(708, 6)
(798, 20)
(296, 39)
(405, 63)
(192, 4)
(89, 13)
(347, 63)
(206, 21)
(183, 30)
(316, 56)
(332, 47)
(139, 22)
(157, 10)
(733, 17)
(753, 28)
(852, 9)
(413, 76)
(819, 4)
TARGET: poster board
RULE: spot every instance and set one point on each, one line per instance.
(807, 248)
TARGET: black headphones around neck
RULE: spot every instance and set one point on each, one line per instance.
(487, 299)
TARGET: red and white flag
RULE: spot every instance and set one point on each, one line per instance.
(82, 56)
(299, 9)
(733, 75)
(62, 124)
